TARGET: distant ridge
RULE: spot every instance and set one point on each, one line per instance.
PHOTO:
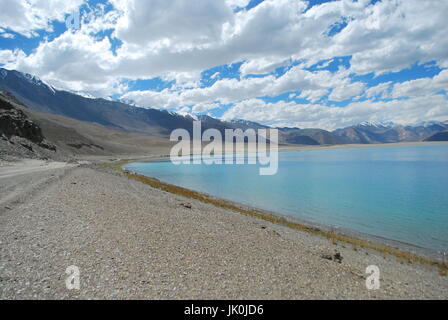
(41, 97)
(368, 132)
(441, 136)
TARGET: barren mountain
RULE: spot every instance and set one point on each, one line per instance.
(367, 132)
(40, 97)
(31, 134)
(61, 111)
(441, 136)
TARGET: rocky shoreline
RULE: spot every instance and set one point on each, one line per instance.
(131, 241)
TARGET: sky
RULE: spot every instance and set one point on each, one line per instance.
(321, 64)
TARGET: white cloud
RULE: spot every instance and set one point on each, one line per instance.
(9, 57)
(313, 95)
(313, 86)
(346, 91)
(421, 87)
(174, 22)
(262, 65)
(237, 3)
(215, 75)
(319, 116)
(161, 37)
(393, 35)
(161, 100)
(28, 16)
(183, 80)
(6, 35)
(177, 40)
(204, 107)
(73, 61)
(382, 91)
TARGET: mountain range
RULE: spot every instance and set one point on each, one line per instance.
(125, 119)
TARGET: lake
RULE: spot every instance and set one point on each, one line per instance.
(398, 193)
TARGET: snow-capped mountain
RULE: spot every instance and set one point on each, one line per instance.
(39, 96)
(246, 123)
(427, 124)
(376, 124)
(380, 132)
(31, 79)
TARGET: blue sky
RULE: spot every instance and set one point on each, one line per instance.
(285, 62)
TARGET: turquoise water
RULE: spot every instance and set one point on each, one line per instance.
(399, 193)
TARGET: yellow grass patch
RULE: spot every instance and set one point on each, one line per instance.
(332, 236)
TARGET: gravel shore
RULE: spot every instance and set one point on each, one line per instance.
(131, 241)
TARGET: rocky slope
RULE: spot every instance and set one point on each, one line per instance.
(441, 136)
(19, 135)
(25, 133)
